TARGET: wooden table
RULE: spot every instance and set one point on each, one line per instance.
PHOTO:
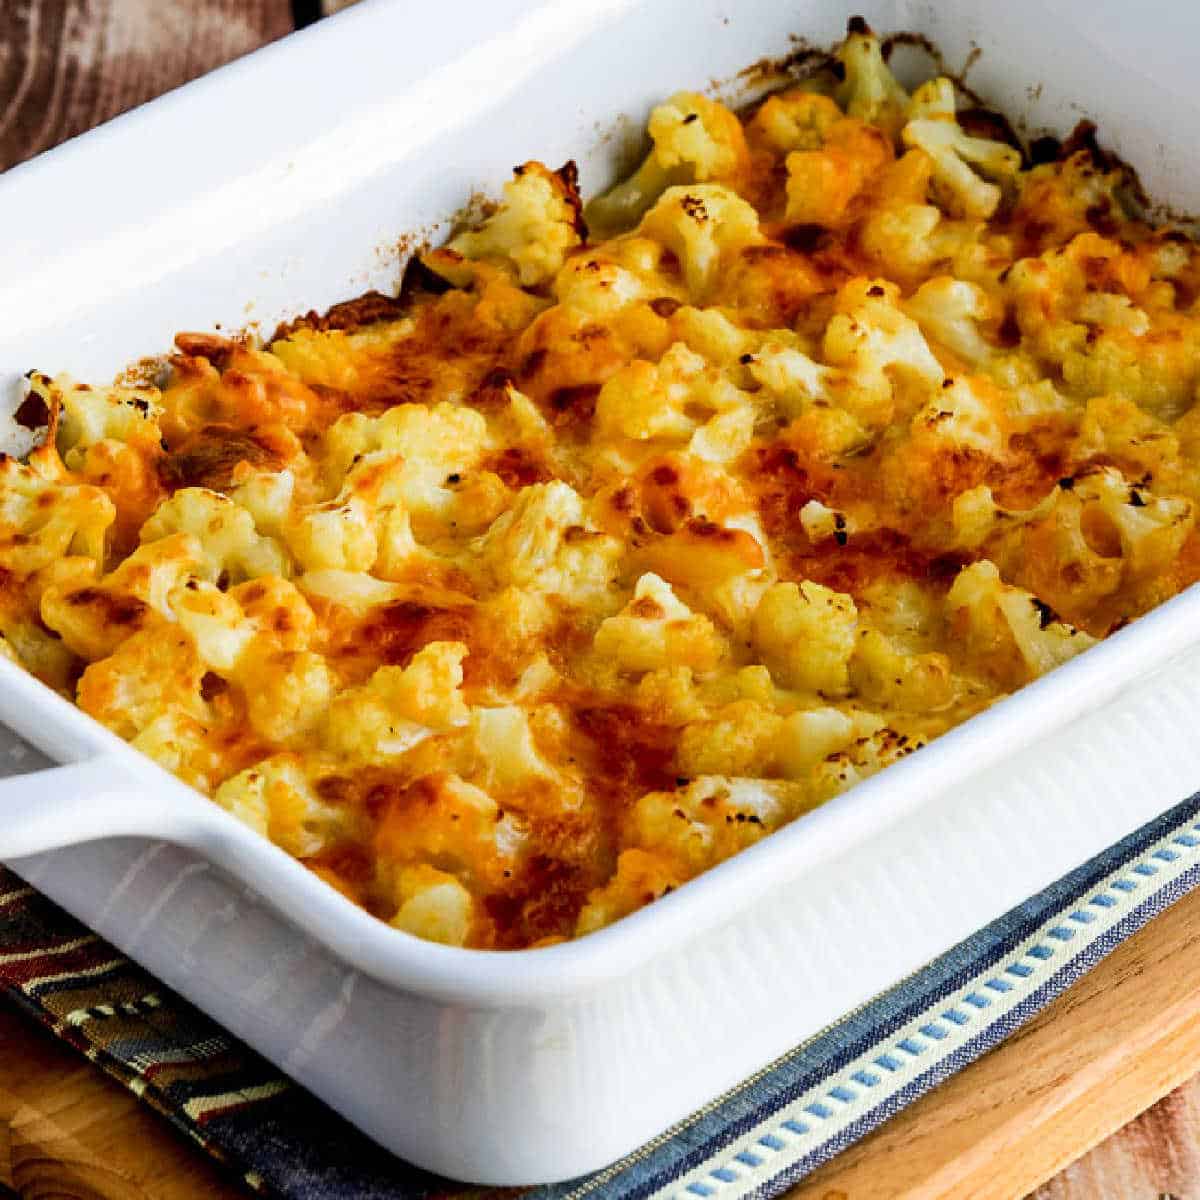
(1107, 1050)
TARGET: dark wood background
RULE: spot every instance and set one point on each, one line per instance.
(66, 65)
(66, 1131)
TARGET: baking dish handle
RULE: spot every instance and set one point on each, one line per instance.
(83, 801)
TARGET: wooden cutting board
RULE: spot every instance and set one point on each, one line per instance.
(1104, 1052)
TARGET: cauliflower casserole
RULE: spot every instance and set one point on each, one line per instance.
(628, 534)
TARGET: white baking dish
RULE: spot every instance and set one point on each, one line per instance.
(280, 182)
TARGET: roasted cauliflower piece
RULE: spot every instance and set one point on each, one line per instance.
(958, 158)
(655, 629)
(535, 227)
(869, 90)
(276, 798)
(702, 224)
(1009, 632)
(823, 181)
(232, 546)
(805, 634)
(44, 520)
(695, 140)
(400, 706)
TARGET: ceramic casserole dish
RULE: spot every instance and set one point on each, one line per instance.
(252, 192)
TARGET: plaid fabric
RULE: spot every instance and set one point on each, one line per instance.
(756, 1141)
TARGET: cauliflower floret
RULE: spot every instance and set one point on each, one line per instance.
(725, 437)
(966, 415)
(506, 754)
(864, 757)
(1115, 430)
(641, 877)
(535, 227)
(267, 497)
(695, 140)
(186, 747)
(346, 440)
(822, 183)
(713, 817)
(256, 635)
(807, 738)
(595, 285)
(252, 388)
(1061, 199)
(542, 543)
(1095, 539)
(872, 339)
(338, 536)
(950, 310)
(287, 692)
(443, 819)
(232, 545)
(1008, 631)
(41, 653)
(213, 619)
(406, 456)
(711, 334)
(277, 611)
(932, 127)
(275, 798)
(869, 90)
(655, 630)
(352, 590)
(917, 683)
(790, 376)
(909, 238)
(1060, 553)
(794, 120)
(43, 521)
(974, 517)
(740, 738)
(1074, 312)
(148, 674)
(108, 437)
(702, 225)
(814, 398)
(1159, 371)
(806, 634)
(94, 619)
(88, 415)
(433, 906)
(671, 399)
(821, 522)
(348, 360)
(1150, 530)
(400, 706)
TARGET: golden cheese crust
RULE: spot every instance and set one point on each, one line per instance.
(630, 533)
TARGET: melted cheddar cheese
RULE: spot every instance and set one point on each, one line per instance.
(510, 605)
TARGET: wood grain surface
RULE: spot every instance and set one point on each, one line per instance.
(71, 1133)
(1123, 1037)
(1120, 1039)
(66, 65)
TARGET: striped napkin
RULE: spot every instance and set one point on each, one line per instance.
(757, 1140)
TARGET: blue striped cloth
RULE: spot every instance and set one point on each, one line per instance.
(758, 1140)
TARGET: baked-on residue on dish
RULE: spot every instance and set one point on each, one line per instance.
(630, 533)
